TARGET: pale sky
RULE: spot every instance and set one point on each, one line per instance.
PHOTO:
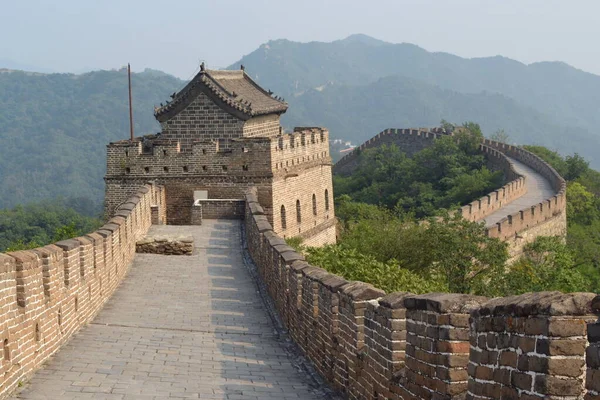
(174, 35)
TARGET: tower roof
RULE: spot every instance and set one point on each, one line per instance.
(233, 91)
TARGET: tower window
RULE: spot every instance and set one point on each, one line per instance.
(298, 212)
(245, 167)
(185, 168)
(314, 204)
(166, 169)
(147, 170)
(283, 221)
(204, 168)
(326, 200)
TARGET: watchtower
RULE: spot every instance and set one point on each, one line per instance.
(220, 135)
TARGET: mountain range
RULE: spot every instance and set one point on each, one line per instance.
(54, 127)
(360, 85)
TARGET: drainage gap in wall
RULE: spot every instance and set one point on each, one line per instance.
(6, 350)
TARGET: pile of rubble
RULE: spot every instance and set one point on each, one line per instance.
(177, 246)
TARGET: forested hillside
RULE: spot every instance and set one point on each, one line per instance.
(54, 129)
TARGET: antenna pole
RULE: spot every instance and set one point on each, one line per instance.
(130, 104)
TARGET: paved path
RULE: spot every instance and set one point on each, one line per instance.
(538, 190)
(178, 327)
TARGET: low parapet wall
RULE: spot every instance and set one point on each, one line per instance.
(593, 361)
(550, 210)
(492, 202)
(48, 293)
(217, 209)
(371, 345)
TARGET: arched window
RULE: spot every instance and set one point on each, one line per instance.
(283, 222)
(314, 204)
(326, 200)
(298, 212)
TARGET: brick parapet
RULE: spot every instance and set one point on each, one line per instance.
(217, 209)
(301, 149)
(493, 201)
(410, 140)
(530, 346)
(369, 345)
(552, 208)
(48, 293)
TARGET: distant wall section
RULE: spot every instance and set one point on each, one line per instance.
(410, 141)
(547, 218)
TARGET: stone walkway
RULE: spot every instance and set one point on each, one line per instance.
(178, 327)
(538, 190)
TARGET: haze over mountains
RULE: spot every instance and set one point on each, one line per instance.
(54, 128)
(360, 85)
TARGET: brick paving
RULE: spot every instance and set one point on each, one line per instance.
(179, 327)
(538, 190)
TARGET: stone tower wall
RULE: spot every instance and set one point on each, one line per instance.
(302, 176)
(286, 169)
(224, 171)
(201, 120)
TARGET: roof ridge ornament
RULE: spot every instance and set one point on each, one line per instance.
(202, 67)
(242, 67)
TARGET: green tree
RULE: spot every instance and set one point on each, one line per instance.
(462, 251)
(576, 166)
(582, 206)
(389, 275)
(500, 136)
(548, 264)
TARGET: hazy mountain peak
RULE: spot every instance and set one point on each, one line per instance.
(362, 39)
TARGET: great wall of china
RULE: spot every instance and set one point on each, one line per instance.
(541, 212)
(153, 337)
